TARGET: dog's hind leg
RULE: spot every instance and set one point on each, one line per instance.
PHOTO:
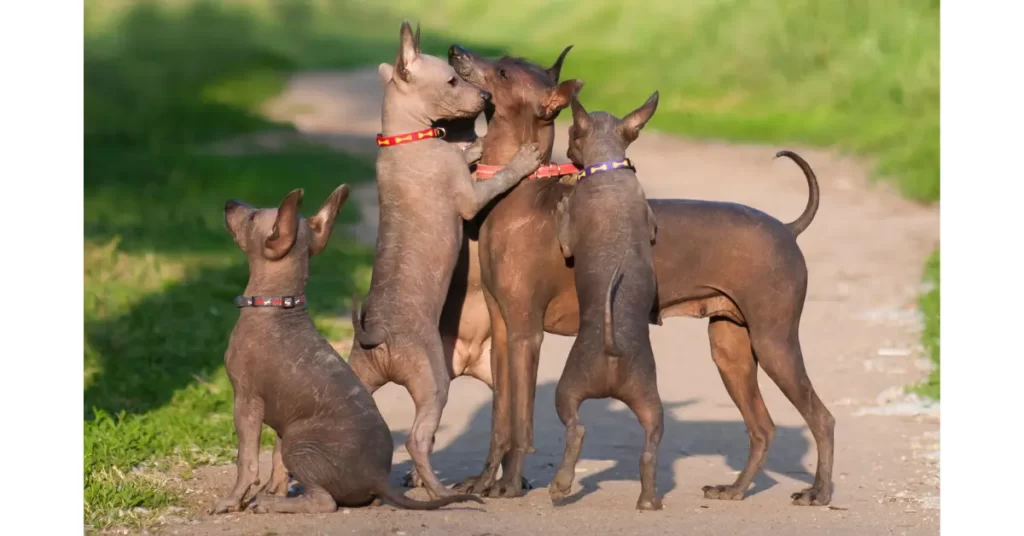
(429, 391)
(730, 350)
(277, 484)
(645, 402)
(778, 352)
(568, 397)
(314, 500)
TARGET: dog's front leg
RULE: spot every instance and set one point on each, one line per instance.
(652, 223)
(473, 195)
(563, 226)
(474, 151)
(248, 425)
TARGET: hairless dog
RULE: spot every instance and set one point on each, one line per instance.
(605, 225)
(731, 263)
(285, 374)
(425, 192)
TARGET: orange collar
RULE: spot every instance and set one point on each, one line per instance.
(545, 171)
(412, 136)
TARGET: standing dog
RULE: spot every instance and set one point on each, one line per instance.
(605, 225)
(285, 374)
(730, 263)
(425, 193)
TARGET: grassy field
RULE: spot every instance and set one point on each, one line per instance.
(166, 79)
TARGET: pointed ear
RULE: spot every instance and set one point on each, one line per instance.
(408, 51)
(580, 117)
(632, 123)
(559, 97)
(386, 73)
(323, 222)
(416, 40)
(556, 69)
(286, 227)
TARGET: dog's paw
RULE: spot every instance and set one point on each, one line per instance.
(477, 485)
(812, 497)
(505, 489)
(412, 480)
(722, 493)
(225, 505)
(648, 505)
(527, 159)
(557, 492)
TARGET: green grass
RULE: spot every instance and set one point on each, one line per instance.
(165, 79)
(929, 303)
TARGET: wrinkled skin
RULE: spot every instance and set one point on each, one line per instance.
(285, 374)
(425, 193)
(731, 263)
(605, 226)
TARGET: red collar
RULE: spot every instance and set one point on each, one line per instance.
(545, 171)
(286, 302)
(412, 136)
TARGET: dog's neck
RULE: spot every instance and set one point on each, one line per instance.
(505, 135)
(602, 152)
(277, 279)
(399, 118)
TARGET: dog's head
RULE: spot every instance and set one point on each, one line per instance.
(427, 88)
(599, 135)
(517, 86)
(281, 237)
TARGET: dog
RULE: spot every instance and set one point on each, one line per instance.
(285, 374)
(425, 192)
(735, 265)
(606, 227)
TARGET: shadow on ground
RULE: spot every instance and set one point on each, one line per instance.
(613, 434)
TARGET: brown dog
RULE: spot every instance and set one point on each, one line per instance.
(731, 263)
(425, 192)
(285, 374)
(605, 225)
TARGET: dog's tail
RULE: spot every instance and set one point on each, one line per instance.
(610, 347)
(398, 499)
(371, 337)
(800, 224)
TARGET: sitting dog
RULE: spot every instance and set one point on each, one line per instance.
(605, 225)
(285, 374)
(426, 193)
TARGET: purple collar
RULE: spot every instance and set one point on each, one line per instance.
(284, 302)
(601, 167)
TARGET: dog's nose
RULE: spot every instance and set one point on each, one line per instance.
(486, 95)
(456, 50)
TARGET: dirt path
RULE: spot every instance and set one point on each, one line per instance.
(860, 334)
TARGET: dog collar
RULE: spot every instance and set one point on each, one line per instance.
(601, 167)
(546, 171)
(284, 302)
(436, 132)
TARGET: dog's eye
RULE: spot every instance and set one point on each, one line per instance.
(501, 74)
(453, 81)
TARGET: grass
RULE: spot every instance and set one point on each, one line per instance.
(163, 80)
(929, 303)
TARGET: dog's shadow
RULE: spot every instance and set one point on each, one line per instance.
(613, 434)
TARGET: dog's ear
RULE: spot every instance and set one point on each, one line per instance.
(556, 69)
(386, 73)
(580, 117)
(408, 51)
(235, 213)
(323, 222)
(286, 227)
(630, 127)
(559, 97)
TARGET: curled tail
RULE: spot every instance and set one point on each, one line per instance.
(368, 337)
(398, 499)
(800, 224)
(610, 347)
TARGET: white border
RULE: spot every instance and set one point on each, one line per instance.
(41, 46)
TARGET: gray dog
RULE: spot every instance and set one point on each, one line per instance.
(426, 193)
(607, 228)
(285, 374)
